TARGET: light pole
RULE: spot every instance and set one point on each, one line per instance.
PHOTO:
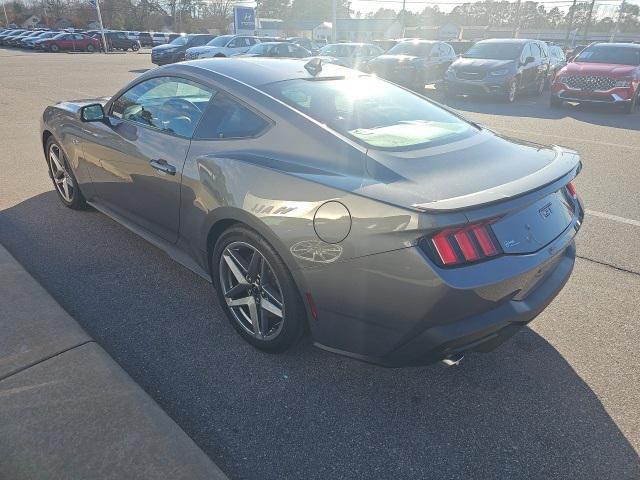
(571, 12)
(334, 20)
(516, 26)
(104, 40)
(617, 27)
(4, 7)
(586, 27)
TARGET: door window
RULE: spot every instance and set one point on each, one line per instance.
(535, 50)
(169, 104)
(526, 52)
(227, 119)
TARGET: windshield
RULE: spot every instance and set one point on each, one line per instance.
(610, 54)
(494, 51)
(220, 41)
(337, 50)
(417, 49)
(372, 111)
(179, 41)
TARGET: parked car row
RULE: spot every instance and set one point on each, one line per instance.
(48, 40)
(78, 40)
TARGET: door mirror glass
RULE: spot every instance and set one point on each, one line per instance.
(92, 113)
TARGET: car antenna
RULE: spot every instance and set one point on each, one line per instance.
(313, 66)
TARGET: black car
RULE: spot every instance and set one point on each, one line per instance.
(557, 60)
(276, 49)
(145, 39)
(500, 67)
(118, 41)
(174, 51)
(414, 63)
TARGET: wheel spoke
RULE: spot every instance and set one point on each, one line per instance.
(272, 298)
(234, 267)
(235, 291)
(255, 317)
(255, 264)
(270, 307)
(264, 322)
(65, 187)
(56, 160)
(239, 302)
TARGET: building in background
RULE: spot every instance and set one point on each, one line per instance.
(270, 27)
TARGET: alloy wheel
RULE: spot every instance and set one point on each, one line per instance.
(61, 177)
(251, 290)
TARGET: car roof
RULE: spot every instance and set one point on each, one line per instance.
(507, 40)
(618, 44)
(261, 71)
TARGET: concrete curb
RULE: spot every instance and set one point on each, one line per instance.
(67, 409)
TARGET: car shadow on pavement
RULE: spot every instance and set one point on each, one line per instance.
(520, 412)
(538, 107)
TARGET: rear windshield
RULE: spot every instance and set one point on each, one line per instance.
(411, 48)
(372, 111)
(494, 51)
(610, 54)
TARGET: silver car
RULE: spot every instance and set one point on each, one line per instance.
(320, 199)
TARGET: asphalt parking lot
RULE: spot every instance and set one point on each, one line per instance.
(560, 400)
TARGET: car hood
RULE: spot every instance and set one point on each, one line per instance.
(203, 49)
(165, 48)
(585, 68)
(388, 60)
(479, 64)
(478, 170)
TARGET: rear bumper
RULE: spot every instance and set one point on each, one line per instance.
(397, 309)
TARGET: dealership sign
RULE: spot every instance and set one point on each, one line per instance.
(244, 20)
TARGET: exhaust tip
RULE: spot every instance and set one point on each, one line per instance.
(453, 360)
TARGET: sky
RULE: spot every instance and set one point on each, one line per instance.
(604, 7)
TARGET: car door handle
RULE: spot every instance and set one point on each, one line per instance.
(163, 166)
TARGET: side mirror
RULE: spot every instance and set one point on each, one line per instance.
(92, 113)
(529, 60)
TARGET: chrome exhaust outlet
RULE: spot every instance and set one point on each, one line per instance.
(452, 360)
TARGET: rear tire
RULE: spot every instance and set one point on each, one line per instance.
(135, 47)
(54, 48)
(64, 181)
(266, 285)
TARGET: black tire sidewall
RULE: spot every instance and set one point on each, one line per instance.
(78, 201)
(295, 313)
(55, 49)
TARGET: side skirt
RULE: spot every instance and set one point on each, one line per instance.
(169, 248)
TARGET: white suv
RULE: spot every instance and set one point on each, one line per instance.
(222, 46)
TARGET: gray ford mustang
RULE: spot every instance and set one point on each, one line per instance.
(317, 198)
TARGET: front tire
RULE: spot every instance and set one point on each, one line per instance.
(512, 92)
(632, 106)
(64, 181)
(554, 102)
(256, 290)
(91, 48)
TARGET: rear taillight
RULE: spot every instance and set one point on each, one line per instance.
(571, 188)
(464, 245)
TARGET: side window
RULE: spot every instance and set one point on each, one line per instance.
(169, 104)
(233, 43)
(252, 41)
(535, 49)
(226, 119)
(526, 52)
(78, 37)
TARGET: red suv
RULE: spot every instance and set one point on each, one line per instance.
(75, 42)
(607, 73)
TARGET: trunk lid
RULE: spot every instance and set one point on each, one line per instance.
(479, 170)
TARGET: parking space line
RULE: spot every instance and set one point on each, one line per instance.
(572, 139)
(615, 218)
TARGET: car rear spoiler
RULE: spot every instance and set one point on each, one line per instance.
(565, 162)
